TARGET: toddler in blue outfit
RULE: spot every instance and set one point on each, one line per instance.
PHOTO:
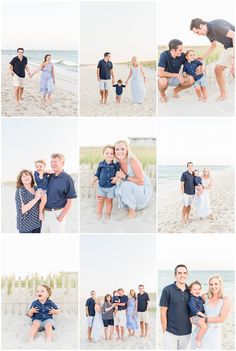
(199, 188)
(190, 66)
(41, 313)
(119, 89)
(106, 171)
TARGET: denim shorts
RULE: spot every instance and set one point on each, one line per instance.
(200, 82)
(173, 81)
(42, 323)
(106, 192)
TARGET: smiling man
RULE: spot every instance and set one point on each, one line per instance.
(174, 311)
(60, 195)
(223, 32)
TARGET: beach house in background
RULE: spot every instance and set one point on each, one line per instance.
(144, 142)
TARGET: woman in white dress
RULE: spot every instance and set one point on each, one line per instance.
(138, 89)
(217, 307)
(97, 329)
(202, 202)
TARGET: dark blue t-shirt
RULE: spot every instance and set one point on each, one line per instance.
(170, 64)
(190, 68)
(42, 183)
(105, 172)
(105, 69)
(123, 299)
(43, 309)
(195, 305)
(189, 185)
(19, 66)
(90, 303)
(142, 302)
(119, 88)
(176, 301)
(60, 188)
(217, 30)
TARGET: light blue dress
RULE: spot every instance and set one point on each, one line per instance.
(132, 195)
(132, 316)
(138, 89)
(212, 338)
(46, 80)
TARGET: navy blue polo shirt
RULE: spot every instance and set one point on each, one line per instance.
(19, 66)
(195, 305)
(60, 189)
(105, 172)
(176, 301)
(189, 185)
(42, 183)
(190, 68)
(119, 88)
(142, 302)
(105, 69)
(217, 30)
(90, 303)
(43, 309)
(123, 299)
(169, 63)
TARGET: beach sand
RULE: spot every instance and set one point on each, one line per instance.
(9, 211)
(221, 200)
(188, 104)
(64, 98)
(129, 343)
(89, 94)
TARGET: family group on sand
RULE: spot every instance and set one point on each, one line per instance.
(105, 72)
(183, 70)
(43, 199)
(191, 319)
(17, 68)
(117, 311)
(196, 188)
(121, 175)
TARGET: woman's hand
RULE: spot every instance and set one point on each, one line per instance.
(120, 174)
(114, 180)
(38, 195)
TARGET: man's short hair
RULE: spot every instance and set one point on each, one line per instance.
(180, 266)
(196, 22)
(107, 53)
(20, 49)
(174, 43)
(41, 161)
(141, 285)
(57, 155)
(91, 292)
(120, 289)
(189, 163)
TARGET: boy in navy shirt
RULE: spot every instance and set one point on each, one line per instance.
(106, 189)
(198, 183)
(119, 89)
(197, 309)
(190, 67)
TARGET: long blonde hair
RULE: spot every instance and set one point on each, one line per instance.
(204, 169)
(221, 293)
(136, 61)
(129, 155)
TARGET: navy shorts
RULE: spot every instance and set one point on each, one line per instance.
(108, 322)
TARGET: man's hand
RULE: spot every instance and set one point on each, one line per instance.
(199, 70)
(60, 218)
(113, 81)
(98, 78)
(181, 78)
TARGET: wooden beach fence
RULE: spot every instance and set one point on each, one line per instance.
(18, 293)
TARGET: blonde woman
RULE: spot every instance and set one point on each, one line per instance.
(202, 202)
(217, 307)
(97, 329)
(133, 187)
(138, 89)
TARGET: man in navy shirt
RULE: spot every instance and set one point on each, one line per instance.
(188, 191)
(169, 65)
(104, 73)
(221, 31)
(60, 194)
(143, 303)
(120, 317)
(174, 311)
(17, 68)
(90, 313)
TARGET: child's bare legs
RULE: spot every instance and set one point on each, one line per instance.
(198, 92)
(101, 201)
(48, 331)
(42, 206)
(118, 99)
(33, 330)
(200, 334)
(204, 93)
(109, 204)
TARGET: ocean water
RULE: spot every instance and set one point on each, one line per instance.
(167, 277)
(167, 174)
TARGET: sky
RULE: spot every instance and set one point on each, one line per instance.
(181, 13)
(32, 253)
(24, 140)
(124, 28)
(38, 25)
(208, 141)
(198, 252)
(107, 130)
(109, 262)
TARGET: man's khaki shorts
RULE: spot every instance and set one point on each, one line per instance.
(18, 81)
(226, 58)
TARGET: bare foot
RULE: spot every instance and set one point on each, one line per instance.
(41, 216)
(163, 97)
(222, 98)
(176, 95)
(198, 343)
(99, 216)
(49, 339)
(108, 216)
(101, 101)
(131, 214)
(118, 338)
(31, 339)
